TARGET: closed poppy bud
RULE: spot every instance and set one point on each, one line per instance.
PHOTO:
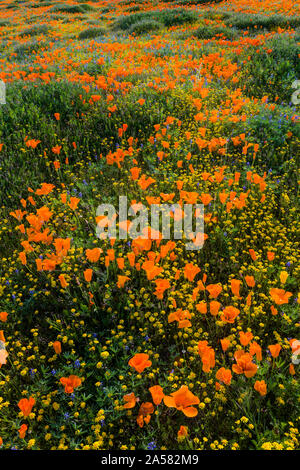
(88, 275)
(292, 369)
(57, 347)
(3, 316)
(22, 431)
(63, 281)
(157, 394)
(225, 343)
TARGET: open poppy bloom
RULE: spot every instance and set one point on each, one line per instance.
(244, 364)
(275, 350)
(245, 338)
(130, 401)
(280, 296)
(224, 375)
(190, 271)
(26, 405)
(140, 361)
(70, 383)
(93, 255)
(182, 317)
(229, 314)
(183, 400)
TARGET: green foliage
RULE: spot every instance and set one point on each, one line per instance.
(36, 30)
(144, 26)
(269, 22)
(273, 70)
(91, 33)
(209, 32)
(65, 8)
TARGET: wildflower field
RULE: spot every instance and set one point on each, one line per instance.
(126, 344)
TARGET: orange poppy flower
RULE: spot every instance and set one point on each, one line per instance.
(292, 369)
(183, 400)
(182, 317)
(56, 149)
(26, 405)
(253, 254)
(244, 364)
(225, 343)
(182, 433)
(88, 275)
(139, 362)
(274, 350)
(93, 255)
(280, 296)
(130, 401)
(214, 307)
(3, 316)
(57, 347)
(229, 314)
(190, 271)
(144, 414)
(224, 375)
(245, 338)
(22, 431)
(157, 394)
(161, 286)
(207, 355)
(73, 203)
(255, 350)
(71, 382)
(202, 307)
(122, 280)
(235, 287)
(214, 290)
(63, 281)
(261, 387)
(250, 281)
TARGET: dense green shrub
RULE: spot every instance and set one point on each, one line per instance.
(144, 26)
(177, 16)
(26, 49)
(262, 21)
(65, 8)
(272, 71)
(208, 32)
(125, 22)
(91, 33)
(36, 30)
